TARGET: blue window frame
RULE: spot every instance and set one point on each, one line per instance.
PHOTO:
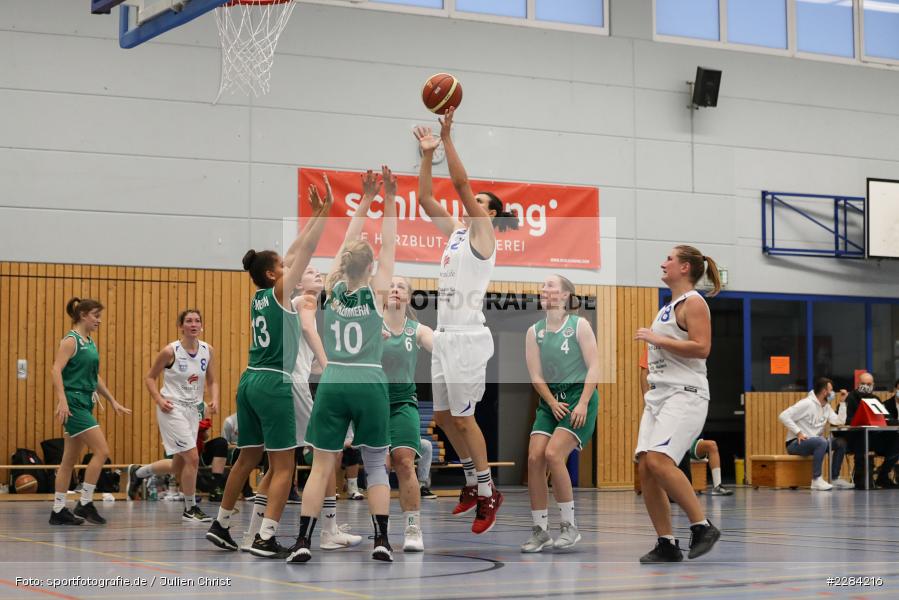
(875, 322)
(419, 3)
(574, 12)
(688, 18)
(881, 19)
(502, 8)
(825, 27)
(757, 22)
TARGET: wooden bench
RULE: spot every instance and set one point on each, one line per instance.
(698, 474)
(11, 497)
(781, 471)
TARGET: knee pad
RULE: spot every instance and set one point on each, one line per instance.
(216, 447)
(375, 462)
(351, 457)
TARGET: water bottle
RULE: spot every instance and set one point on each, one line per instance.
(152, 493)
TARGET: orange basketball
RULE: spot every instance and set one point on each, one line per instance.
(441, 91)
(26, 484)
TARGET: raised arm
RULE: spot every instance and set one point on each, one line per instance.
(387, 256)
(370, 187)
(304, 246)
(439, 215)
(306, 306)
(483, 238)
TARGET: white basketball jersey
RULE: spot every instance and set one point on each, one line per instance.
(303, 367)
(463, 282)
(184, 380)
(666, 369)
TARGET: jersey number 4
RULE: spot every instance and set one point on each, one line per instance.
(261, 336)
(352, 337)
(564, 347)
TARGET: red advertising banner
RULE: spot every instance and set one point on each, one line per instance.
(558, 225)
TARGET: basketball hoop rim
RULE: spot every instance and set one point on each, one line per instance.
(254, 2)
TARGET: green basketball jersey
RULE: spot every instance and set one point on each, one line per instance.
(399, 360)
(353, 327)
(560, 355)
(80, 373)
(275, 332)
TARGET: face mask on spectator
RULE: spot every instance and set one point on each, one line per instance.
(831, 395)
(865, 388)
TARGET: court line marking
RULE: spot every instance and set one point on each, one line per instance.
(36, 590)
(310, 588)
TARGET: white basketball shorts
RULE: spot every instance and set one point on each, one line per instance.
(459, 368)
(670, 425)
(178, 428)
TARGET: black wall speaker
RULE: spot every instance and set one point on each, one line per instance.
(705, 87)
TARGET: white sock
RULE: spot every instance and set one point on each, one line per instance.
(670, 538)
(471, 475)
(716, 477)
(268, 529)
(259, 504)
(224, 517)
(567, 510)
(352, 485)
(143, 472)
(190, 500)
(328, 514)
(541, 518)
(87, 493)
(59, 501)
(412, 517)
(484, 483)
(703, 522)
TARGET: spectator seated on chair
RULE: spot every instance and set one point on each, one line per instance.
(805, 422)
(708, 449)
(882, 443)
(423, 469)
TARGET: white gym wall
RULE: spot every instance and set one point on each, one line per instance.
(117, 157)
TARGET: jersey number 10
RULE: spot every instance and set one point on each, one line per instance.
(352, 336)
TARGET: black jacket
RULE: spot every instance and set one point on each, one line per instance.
(852, 401)
(891, 406)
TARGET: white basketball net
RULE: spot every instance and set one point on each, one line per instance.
(249, 31)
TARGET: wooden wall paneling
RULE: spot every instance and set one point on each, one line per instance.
(21, 324)
(7, 362)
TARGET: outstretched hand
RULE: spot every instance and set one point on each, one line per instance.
(446, 123)
(321, 206)
(389, 180)
(427, 141)
(371, 184)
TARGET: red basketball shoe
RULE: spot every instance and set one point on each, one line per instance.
(468, 500)
(487, 509)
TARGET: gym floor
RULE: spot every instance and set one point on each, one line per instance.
(775, 544)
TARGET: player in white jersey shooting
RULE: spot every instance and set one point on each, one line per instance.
(462, 344)
(676, 403)
(187, 367)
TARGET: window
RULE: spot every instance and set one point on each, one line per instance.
(825, 27)
(779, 333)
(420, 3)
(575, 12)
(502, 8)
(885, 344)
(838, 342)
(688, 18)
(881, 20)
(757, 22)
